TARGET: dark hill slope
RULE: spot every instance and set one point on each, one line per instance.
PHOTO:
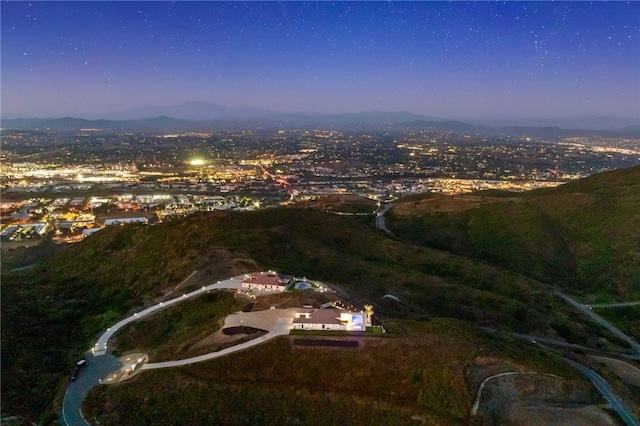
(423, 373)
(52, 314)
(583, 236)
(128, 266)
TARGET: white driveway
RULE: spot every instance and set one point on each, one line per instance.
(277, 321)
(281, 328)
(100, 348)
(263, 320)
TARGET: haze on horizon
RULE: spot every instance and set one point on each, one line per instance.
(451, 60)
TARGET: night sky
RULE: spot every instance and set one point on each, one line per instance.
(452, 60)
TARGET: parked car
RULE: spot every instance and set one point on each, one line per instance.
(74, 373)
(76, 369)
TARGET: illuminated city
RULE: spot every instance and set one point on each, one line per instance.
(320, 213)
(55, 182)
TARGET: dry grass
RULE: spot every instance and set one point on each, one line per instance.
(293, 299)
(219, 338)
(420, 371)
(627, 372)
(341, 203)
(550, 415)
(622, 376)
(581, 236)
(173, 332)
(441, 203)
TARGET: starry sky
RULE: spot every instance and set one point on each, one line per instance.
(443, 59)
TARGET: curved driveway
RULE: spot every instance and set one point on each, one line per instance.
(100, 347)
(281, 328)
(101, 364)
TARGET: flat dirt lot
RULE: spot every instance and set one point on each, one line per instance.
(261, 320)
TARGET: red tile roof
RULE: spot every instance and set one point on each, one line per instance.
(265, 278)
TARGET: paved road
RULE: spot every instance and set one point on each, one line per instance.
(96, 369)
(597, 318)
(614, 305)
(602, 386)
(537, 339)
(100, 364)
(554, 342)
(380, 223)
(282, 327)
(100, 347)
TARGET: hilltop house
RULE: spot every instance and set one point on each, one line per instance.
(269, 281)
(330, 319)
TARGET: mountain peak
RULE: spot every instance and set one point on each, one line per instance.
(191, 110)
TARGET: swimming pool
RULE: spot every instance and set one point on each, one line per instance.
(303, 285)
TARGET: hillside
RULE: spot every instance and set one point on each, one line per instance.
(582, 236)
(87, 287)
(426, 372)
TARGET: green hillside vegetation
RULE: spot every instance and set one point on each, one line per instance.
(626, 318)
(93, 284)
(186, 329)
(582, 236)
(129, 266)
(345, 203)
(54, 312)
(39, 345)
(625, 383)
(426, 369)
(168, 334)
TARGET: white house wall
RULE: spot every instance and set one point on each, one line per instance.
(327, 327)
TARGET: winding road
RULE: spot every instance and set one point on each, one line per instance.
(100, 364)
(100, 347)
(614, 401)
(90, 376)
(380, 223)
(614, 305)
(282, 328)
(538, 339)
(585, 309)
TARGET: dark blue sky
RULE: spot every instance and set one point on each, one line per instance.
(454, 60)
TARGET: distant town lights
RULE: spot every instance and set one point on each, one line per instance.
(197, 162)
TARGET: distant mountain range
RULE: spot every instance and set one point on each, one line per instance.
(194, 111)
(204, 116)
(589, 122)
